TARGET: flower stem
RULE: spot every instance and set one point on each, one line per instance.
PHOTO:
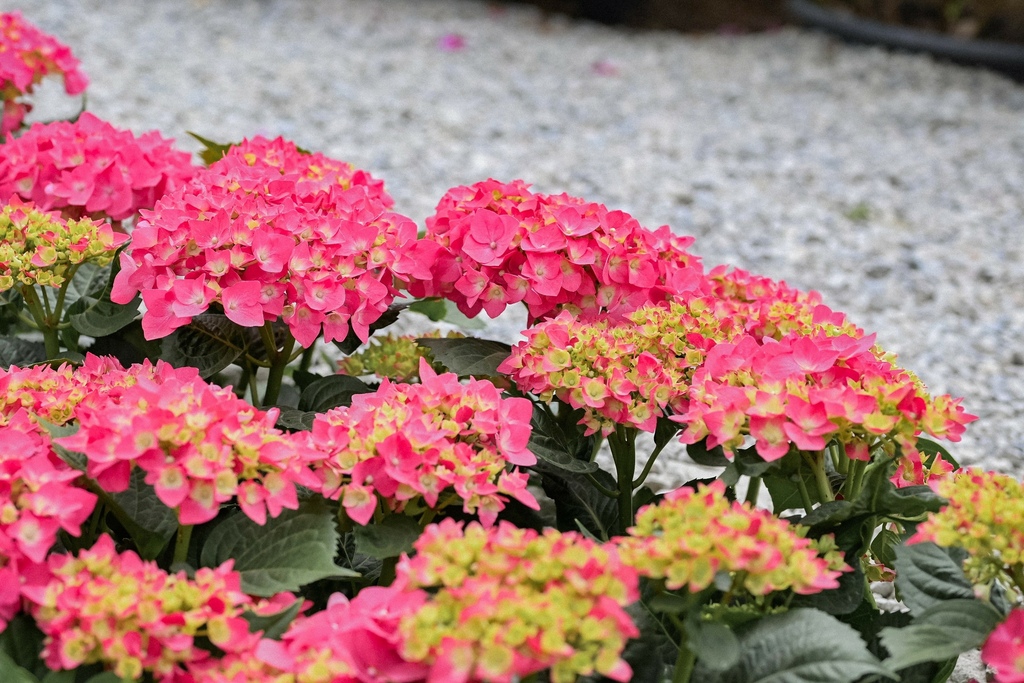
(181, 543)
(623, 446)
(817, 462)
(387, 571)
(856, 479)
(51, 338)
(684, 662)
(278, 362)
(753, 488)
(805, 496)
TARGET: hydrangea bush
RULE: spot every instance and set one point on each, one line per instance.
(183, 499)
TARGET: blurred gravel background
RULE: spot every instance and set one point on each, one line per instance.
(890, 183)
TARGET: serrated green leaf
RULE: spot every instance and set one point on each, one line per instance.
(715, 644)
(435, 309)
(295, 420)
(576, 499)
(151, 523)
(330, 392)
(17, 351)
(390, 538)
(212, 151)
(709, 457)
(553, 446)
(785, 491)
(940, 633)
(799, 646)
(103, 317)
(287, 553)
(21, 642)
(90, 280)
(273, 625)
(210, 343)
(468, 356)
(12, 673)
(838, 601)
(926, 576)
(935, 450)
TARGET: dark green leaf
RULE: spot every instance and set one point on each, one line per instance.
(700, 454)
(12, 673)
(664, 430)
(367, 567)
(352, 342)
(295, 420)
(330, 392)
(940, 633)
(273, 625)
(22, 642)
(435, 309)
(884, 545)
(838, 601)
(935, 450)
(210, 343)
(785, 491)
(576, 499)
(106, 677)
(670, 603)
(467, 356)
(151, 523)
(90, 280)
(16, 351)
(926, 576)
(910, 501)
(392, 537)
(212, 151)
(103, 317)
(553, 446)
(749, 462)
(715, 644)
(799, 646)
(59, 677)
(287, 553)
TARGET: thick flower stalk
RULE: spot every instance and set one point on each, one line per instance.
(264, 241)
(199, 445)
(692, 535)
(438, 442)
(499, 244)
(27, 56)
(805, 391)
(1004, 649)
(90, 168)
(511, 602)
(131, 616)
(391, 356)
(352, 641)
(985, 517)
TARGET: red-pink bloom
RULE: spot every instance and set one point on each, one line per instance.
(1004, 649)
(272, 232)
(440, 441)
(90, 168)
(27, 55)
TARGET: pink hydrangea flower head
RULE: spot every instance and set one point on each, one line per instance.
(439, 441)
(691, 535)
(511, 602)
(41, 248)
(1004, 649)
(133, 617)
(630, 371)
(90, 168)
(499, 244)
(27, 55)
(199, 445)
(985, 517)
(268, 232)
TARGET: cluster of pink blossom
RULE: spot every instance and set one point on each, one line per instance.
(90, 168)
(1004, 649)
(130, 615)
(806, 390)
(199, 445)
(497, 244)
(407, 442)
(511, 602)
(27, 55)
(265, 239)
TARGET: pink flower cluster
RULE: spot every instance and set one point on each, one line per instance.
(199, 445)
(692, 535)
(116, 609)
(268, 233)
(512, 602)
(90, 168)
(808, 390)
(27, 55)
(497, 244)
(415, 441)
(1004, 649)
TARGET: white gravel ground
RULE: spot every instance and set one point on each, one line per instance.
(890, 183)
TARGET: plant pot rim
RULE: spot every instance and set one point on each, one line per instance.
(1001, 56)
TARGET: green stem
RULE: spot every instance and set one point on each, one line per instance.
(684, 662)
(278, 362)
(59, 306)
(855, 479)
(307, 358)
(623, 446)
(639, 481)
(51, 338)
(753, 488)
(817, 461)
(604, 490)
(805, 496)
(387, 571)
(181, 543)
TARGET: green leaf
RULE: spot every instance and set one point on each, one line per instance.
(940, 633)
(700, 454)
(212, 151)
(151, 523)
(330, 392)
(103, 317)
(842, 600)
(435, 309)
(390, 538)
(926, 576)
(10, 672)
(799, 646)
(295, 420)
(273, 625)
(20, 352)
(352, 341)
(576, 499)
(210, 343)
(785, 491)
(553, 446)
(106, 677)
(59, 677)
(287, 553)
(90, 280)
(935, 450)
(22, 643)
(468, 356)
(715, 644)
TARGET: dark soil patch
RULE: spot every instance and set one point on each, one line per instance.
(683, 15)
